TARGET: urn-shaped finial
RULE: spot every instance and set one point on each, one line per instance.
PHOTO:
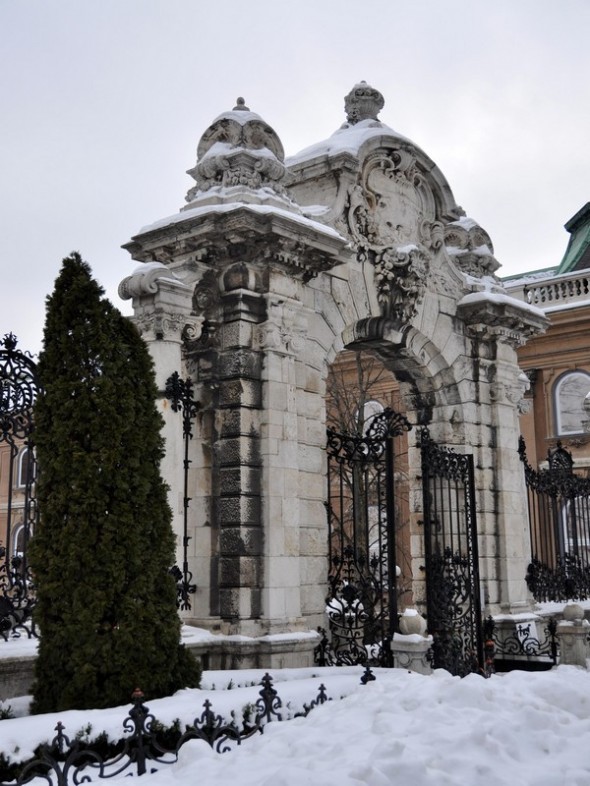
(363, 103)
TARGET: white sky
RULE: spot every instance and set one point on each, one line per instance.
(103, 103)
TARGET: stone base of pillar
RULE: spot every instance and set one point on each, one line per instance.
(410, 652)
(16, 676)
(574, 643)
(278, 651)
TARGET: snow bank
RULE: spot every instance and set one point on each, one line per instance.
(518, 729)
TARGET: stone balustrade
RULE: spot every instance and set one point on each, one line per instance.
(551, 292)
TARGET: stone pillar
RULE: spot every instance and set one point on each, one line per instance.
(162, 313)
(574, 637)
(496, 325)
(237, 467)
(282, 336)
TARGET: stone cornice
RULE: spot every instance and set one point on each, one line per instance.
(301, 244)
(503, 320)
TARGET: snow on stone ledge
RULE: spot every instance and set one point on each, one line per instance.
(485, 296)
(198, 212)
(347, 139)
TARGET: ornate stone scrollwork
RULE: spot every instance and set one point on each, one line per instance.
(385, 217)
(400, 275)
(298, 257)
(147, 280)
(163, 326)
(238, 149)
(470, 247)
(206, 315)
(285, 329)
(363, 103)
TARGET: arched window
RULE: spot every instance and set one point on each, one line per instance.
(26, 468)
(371, 409)
(18, 540)
(570, 393)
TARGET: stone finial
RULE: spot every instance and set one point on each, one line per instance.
(238, 150)
(363, 103)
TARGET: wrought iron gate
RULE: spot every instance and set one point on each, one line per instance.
(559, 520)
(362, 603)
(18, 511)
(451, 557)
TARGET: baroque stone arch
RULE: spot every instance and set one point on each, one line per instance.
(271, 267)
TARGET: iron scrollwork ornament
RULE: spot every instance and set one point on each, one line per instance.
(559, 516)
(361, 605)
(19, 388)
(180, 393)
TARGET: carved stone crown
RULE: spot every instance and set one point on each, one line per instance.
(363, 103)
(238, 150)
(470, 247)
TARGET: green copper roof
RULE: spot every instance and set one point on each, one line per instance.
(577, 253)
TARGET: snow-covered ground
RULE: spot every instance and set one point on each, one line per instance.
(511, 730)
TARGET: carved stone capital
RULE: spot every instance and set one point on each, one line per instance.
(165, 326)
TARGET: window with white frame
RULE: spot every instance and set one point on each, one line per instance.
(26, 467)
(18, 540)
(570, 395)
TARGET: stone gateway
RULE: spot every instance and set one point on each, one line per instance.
(271, 268)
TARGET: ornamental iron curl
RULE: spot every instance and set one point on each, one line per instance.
(180, 393)
(522, 646)
(361, 606)
(451, 559)
(19, 388)
(64, 761)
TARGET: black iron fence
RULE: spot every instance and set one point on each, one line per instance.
(19, 387)
(559, 520)
(363, 511)
(527, 646)
(451, 558)
(65, 760)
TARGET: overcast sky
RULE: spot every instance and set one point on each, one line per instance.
(103, 103)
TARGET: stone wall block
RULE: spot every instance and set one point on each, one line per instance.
(238, 450)
(236, 334)
(229, 602)
(238, 510)
(239, 572)
(237, 422)
(234, 481)
(229, 572)
(313, 543)
(240, 363)
(240, 541)
(241, 393)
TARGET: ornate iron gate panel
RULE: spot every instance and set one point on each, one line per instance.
(451, 556)
(362, 603)
(18, 511)
(559, 520)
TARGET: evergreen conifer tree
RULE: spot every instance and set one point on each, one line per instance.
(101, 555)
